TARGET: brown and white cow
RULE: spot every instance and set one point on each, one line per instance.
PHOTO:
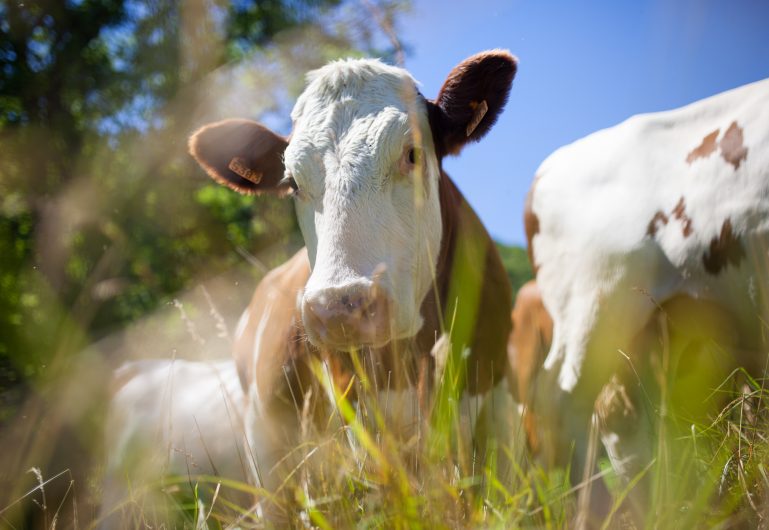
(394, 258)
(527, 348)
(662, 206)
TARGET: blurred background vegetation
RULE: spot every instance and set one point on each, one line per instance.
(104, 218)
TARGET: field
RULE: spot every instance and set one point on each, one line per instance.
(359, 467)
(115, 248)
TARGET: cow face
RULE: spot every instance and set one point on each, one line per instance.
(363, 168)
(364, 165)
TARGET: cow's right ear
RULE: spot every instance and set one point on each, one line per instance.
(241, 154)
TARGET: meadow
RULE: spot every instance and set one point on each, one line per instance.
(114, 247)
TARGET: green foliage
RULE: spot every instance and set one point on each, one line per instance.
(101, 207)
(103, 215)
(517, 265)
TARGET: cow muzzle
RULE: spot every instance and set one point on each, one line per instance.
(348, 317)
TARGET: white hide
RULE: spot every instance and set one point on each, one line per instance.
(173, 418)
(360, 204)
(600, 273)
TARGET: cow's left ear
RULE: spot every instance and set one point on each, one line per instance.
(241, 154)
(471, 99)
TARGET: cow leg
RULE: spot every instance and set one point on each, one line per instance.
(272, 430)
(590, 341)
(498, 433)
(627, 434)
(296, 410)
(684, 347)
(616, 423)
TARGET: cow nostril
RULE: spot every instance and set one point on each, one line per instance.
(370, 308)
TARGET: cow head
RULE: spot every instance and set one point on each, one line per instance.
(363, 166)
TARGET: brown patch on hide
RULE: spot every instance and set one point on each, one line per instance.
(725, 249)
(732, 149)
(705, 149)
(679, 212)
(659, 217)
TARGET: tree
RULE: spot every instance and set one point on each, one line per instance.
(517, 265)
(103, 216)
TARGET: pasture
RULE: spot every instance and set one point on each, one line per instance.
(252, 278)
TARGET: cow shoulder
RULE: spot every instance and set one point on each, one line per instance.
(262, 346)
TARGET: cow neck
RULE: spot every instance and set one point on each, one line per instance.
(450, 203)
(481, 319)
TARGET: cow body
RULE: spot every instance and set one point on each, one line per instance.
(178, 418)
(395, 258)
(666, 205)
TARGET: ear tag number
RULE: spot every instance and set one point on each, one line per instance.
(238, 165)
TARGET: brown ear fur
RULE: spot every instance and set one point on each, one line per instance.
(241, 154)
(471, 99)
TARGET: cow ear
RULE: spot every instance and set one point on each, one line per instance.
(241, 154)
(471, 99)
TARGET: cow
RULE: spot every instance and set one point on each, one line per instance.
(662, 206)
(529, 342)
(394, 259)
(170, 418)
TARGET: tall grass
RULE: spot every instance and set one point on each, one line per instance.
(356, 466)
(355, 470)
(464, 465)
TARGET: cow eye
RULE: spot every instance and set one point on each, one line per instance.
(289, 182)
(409, 158)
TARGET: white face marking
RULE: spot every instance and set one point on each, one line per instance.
(363, 207)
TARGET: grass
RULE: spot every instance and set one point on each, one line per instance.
(354, 469)
(355, 473)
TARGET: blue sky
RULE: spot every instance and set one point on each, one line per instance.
(584, 65)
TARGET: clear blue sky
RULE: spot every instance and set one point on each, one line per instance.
(584, 65)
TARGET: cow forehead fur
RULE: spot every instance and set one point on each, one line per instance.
(368, 81)
(352, 125)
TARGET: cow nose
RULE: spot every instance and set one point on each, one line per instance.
(347, 317)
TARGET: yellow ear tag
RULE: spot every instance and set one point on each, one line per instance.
(480, 110)
(238, 165)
